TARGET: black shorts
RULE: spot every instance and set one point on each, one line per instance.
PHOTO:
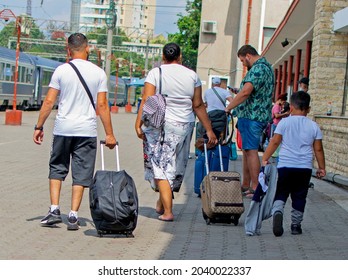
(81, 150)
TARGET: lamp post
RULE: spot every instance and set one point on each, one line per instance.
(128, 107)
(14, 116)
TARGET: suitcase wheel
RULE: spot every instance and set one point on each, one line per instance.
(127, 234)
(206, 218)
(235, 220)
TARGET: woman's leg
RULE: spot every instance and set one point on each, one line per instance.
(166, 199)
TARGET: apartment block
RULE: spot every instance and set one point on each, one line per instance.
(135, 17)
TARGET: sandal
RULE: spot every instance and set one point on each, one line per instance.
(244, 188)
(249, 192)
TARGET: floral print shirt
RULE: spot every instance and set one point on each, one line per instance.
(258, 106)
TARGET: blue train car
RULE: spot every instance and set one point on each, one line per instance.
(34, 74)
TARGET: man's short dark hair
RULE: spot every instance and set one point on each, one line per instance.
(300, 100)
(77, 41)
(304, 80)
(246, 49)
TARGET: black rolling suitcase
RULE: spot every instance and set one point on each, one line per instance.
(113, 200)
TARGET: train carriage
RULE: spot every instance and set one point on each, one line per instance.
(34, 74)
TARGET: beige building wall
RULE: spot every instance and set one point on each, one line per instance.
(217, 53)
(328, 84)
(138, 18)
(215, 49)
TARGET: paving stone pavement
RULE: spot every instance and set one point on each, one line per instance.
(24, 201)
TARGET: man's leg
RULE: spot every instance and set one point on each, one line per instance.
(76, 197)
(246, 173)
(55, 187)
(53, 215)
(254, 166)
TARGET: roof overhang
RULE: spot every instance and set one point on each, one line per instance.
(297, 28)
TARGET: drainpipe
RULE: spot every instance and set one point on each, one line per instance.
(333, 178)
(345, 89)
(247, 32)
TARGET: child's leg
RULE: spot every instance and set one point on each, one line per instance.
(280, 198)
(298, 197)
(283, 190)
(278, 206)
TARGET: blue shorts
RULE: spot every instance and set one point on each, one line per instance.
(251, 132)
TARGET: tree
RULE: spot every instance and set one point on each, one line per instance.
(188, 36)
(10, 31)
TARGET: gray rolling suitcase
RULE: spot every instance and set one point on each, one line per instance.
(221, 195)
(113, 200)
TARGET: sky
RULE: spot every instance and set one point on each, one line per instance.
(59, 10)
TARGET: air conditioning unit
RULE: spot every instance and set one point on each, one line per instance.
(209, 27)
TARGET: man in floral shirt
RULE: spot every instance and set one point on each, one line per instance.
(253, 105)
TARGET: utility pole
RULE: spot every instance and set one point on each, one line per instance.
(110, 20)
(147, 54)
(29, 8)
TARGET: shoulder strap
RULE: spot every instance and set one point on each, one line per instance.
(83, 83)
(218, 95)
(160, 79)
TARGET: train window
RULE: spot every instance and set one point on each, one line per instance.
(2, 71)
(13, 70)
(21, 74)
(29, 76)
(46, 77)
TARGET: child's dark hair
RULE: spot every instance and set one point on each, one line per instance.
(171, 52)
(286, 107)
(300, 100)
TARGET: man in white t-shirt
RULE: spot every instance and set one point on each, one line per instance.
(215, 99)
(75, 129)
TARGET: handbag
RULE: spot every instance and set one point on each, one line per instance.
(83, 83)
(154, 108)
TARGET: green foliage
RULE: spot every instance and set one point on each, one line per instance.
(10, 31)
(101, 36)
(188, 36)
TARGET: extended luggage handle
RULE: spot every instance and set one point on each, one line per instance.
(102, 143)
(206, 156)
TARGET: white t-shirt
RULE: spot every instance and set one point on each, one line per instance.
(213, 102)
(178, 84)
(76, 116)
(298, 134)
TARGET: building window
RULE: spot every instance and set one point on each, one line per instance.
(267, 35)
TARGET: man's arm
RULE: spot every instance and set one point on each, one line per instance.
(201, 112)
(241, 96)
(45, 111)
(105, 117)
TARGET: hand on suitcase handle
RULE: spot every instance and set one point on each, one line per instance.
(103, 142)
(109, 145)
